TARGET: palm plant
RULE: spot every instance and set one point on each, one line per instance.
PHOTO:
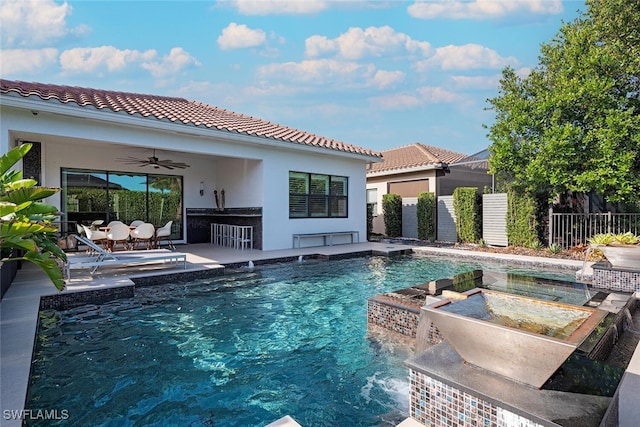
(26, 231)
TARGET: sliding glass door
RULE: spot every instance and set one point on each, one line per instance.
(89, 195)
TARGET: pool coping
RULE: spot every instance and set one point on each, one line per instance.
(21, 304)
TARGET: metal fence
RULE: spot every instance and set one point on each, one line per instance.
(569, 229)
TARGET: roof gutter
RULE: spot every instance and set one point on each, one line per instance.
(35, 103)
(422, 168)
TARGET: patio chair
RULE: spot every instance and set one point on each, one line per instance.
(114, 222)
(164, 233)
(118, 233)
(95, 235)
(97, 223)
(136, 223)
(103, 258)
(143, 233)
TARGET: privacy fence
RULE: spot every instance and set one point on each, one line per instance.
(564, 229)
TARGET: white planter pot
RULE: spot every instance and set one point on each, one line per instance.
(622, 256)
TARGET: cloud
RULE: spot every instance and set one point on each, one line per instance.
(318, 72)
(482, 9)
(399, 101)
(171, 64)
(236, 36)
(477, 82)
(96, 59)
(437, 95)
(34, 23)
(422, 96)
(330, 73)
(465, 57)
(279, 7)
(27, 61)
(357, 43)
(383, 79)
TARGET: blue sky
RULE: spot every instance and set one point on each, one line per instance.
(378, 74)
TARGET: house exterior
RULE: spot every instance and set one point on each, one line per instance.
(126, 156)
(411, 169)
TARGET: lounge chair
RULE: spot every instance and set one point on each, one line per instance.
(103, 258)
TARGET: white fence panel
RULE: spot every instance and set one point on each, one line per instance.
(570, 229)
(410, 217)
(494, 219)
(446, 220)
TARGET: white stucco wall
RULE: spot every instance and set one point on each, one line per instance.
(254, 172)
(278, 228)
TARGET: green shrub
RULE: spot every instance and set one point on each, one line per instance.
(555, 248)
(426, 216)
(536, 245)
(467, 208)
(522, 220)
(392, 208)
(369, 219)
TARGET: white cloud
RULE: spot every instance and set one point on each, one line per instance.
(26, 61)
(319, 71)
(329, 73)
(476, 82)
(482, 9)
(279, 7)
(236, 36)
(358, 43)
(437, 95)
(422, 96)
(96, 59)
(34, 23)
(466, 57)
(171, 64)
(399, 101)
(382, 79)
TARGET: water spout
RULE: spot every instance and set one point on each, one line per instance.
(300, 258)
(250, 264)
(422, 333)
(581, 273)
(629, 324)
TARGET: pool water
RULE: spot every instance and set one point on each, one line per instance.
(240, 350)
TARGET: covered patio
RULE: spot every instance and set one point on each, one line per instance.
(128, 156)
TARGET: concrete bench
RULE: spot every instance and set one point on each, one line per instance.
(327, 237)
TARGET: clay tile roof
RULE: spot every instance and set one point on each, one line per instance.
(415, 156)
(178, 110)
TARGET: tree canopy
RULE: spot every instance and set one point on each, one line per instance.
(573, 123)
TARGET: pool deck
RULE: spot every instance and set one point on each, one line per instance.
(20, 305)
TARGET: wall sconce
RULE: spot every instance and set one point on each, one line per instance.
(201, 188)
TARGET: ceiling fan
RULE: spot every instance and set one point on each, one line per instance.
(153, 161)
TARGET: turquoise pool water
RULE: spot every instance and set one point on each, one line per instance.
(241, 350)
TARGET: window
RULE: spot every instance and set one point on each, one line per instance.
(89, 195)
(372, 199)
(314, 195)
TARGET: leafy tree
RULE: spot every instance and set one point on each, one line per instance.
(25, 222)
(573, 123)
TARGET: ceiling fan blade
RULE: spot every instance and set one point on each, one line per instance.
(153, 161)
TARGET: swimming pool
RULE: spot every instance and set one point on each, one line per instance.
(240, 350)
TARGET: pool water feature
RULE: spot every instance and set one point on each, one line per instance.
(243, 349)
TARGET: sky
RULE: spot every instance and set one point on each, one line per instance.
(377, 74)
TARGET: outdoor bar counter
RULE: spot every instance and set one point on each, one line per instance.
(199, 222)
